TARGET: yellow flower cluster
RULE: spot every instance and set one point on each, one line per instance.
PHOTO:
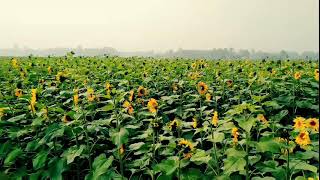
(302, 125)
(215, 119)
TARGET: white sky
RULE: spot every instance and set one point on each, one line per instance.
(160, 25)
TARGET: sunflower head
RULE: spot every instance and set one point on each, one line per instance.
(18, 92)
(262, 118)
(208, 96)
(194, 123)
(297, 75)
(229, 82)
(313, 123)
(66, 119)
(303, 139)
(90, 94)
(152, 105)
(316, 74)
(202, 88)
(174, 125)
(187, 148)
(142, 91)
(299, 123)
(131, 95)
(215, 119)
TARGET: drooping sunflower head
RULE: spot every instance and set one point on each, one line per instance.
(108, 87)
(18, 92)
(194, 123)
(208, 96)
(152, 105)
(187, 148)
(229, 82)
(90, 94)
(174, 125)
(142, 91)
(303, 139)
(66, 118)
(215, 118)
(202, 88)
(299, 123)
(316, 74)
(313, 123)
(49, 70)
(262, 118)
(297, 75)
(131, 95)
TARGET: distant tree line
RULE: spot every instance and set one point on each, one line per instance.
(216, 53)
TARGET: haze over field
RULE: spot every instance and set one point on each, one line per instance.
(160, 25)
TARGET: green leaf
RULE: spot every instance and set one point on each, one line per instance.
(232, 152)
(168, 166)
(40, 160)
(12, 156)
(191, 174)
(136, 146)
(247, 124)
(200, 157)
(233, 164)
(72, 153)
(100, 166)
(264, 178)
(121, 137)
(17, 118)
(57, 167)
(269, 145)
(301, 165)
(217, 137)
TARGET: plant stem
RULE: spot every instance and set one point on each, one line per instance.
(247, 156)
(288, 160)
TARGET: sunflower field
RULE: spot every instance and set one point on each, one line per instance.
(146, 118)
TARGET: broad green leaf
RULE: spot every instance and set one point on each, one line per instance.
(121, 137)
(40, 160)
(12, 156)
(233, 164)
(168, 166)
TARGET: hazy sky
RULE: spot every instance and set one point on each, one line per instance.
(160, 25)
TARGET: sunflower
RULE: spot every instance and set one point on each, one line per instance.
(174, 87)
(18, 92)
(316, 74)
(33, 100)
(262, 118)
(208, 97)
(297, 75)
(299, 123)
(131, 96)
(142, 91)
(75, 97)
(45, 112)
(291, 145)
(193, 65)
(128, 107)
(152, 105)
(313, 123)
(229, 83)
(121, 149)
(108, 87)
(215, 118)
(235, 135)
(174, 125)
(2, 112)
(49, 70)
(187, 147)
(303, 139)
(202, 88)
(90, 94)
(194, 123)
(66, 119)
(14, 63)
